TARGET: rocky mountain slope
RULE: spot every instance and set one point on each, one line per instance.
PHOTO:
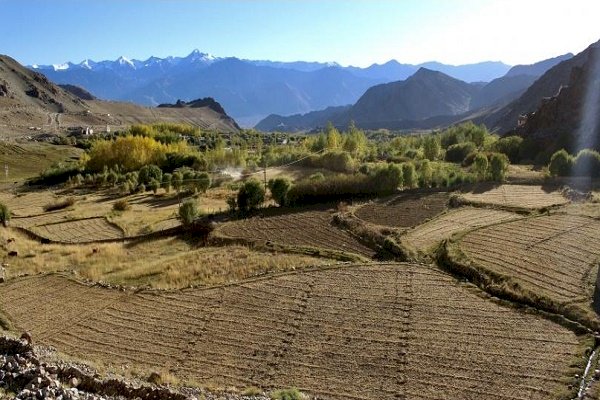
(427, 99)
(571, 118)
(29, 101)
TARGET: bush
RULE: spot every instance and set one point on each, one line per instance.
(251, 195)
(587, 163)
(154, 185)
(561, 163)
(166, 182)
(480, 165)
(409, 175)
(498, 166)
(431, 148)
(287, 394)
(510, 146)
(279, 188)
(148, 173)
(4, 214)
(425, 174)
(121, 205)
(458, 152)
(188, 212)
(59, 205)
(201, 182)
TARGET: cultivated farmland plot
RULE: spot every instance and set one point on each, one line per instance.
(517, 196)
(37, 220)
(27, 204)
(551, 256)
(404, 210)
(308, 228)
(426, 236)
(79, 231)
(384, 331)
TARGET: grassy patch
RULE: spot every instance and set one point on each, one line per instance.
(287, 394)
(162, 263)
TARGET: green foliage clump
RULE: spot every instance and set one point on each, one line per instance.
(251, 195)
(148, 173)
(425, 173)
(498, 166)
(561, 163)
(4, 214)
(431, 147)
(480, 165)
(587, 163)
(510, 146)
(188, 212)
(279, 188)
(458, 152)
(287, 394)
(409, 175)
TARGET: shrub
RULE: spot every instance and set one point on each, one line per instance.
(287, 394)
(251, 195)
(177, 180)
(387, 179)
(154, 185)
(431, 148)
(586, 163)
(188, 212)
(510, 146)
(59, 205)
(121, 205)
(426, 174)
(561, 163)
(201, 182)
(279, 188)
(480, 165)
(166, 182)
(4, 214)
(458, 152)
(409, 175)
(498, 166)
(149, 172)
(232, 203)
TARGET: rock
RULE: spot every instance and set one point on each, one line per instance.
(155, 378)
(74, 382)
(27, 337)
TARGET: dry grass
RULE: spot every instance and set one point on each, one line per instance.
(163, 263)
(382, 331)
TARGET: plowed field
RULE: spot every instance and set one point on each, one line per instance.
(404, 210)
(308, 228)
(550, 255)
(431, 233)
(378, 331)
(79, 231)
(517, 196)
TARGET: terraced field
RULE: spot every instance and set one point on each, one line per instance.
(79, 231)
(517, 196)
(26, 204)
(38, 220)
(431, 233)
(385, 331)
(404, 210)
(307, 228)
(552, 256)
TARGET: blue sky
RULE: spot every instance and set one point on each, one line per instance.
(351, 32)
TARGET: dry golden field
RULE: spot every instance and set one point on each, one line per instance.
(426, 236)
(383, 331)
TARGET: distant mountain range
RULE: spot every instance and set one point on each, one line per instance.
(30, 102)
(248, 89)
(424, 100)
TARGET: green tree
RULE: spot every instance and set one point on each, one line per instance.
(279, 188)
(4, 214)
(177, 180)
(561, 163)
(498, 166)
(431, 147)
(409, 175)
(426, 173)
(149, 172)
(334, 139)
(480, 165)
(188, 212)
(587, 163)
(202, 181)
(166, 182)
(250, 195)
(154, 185)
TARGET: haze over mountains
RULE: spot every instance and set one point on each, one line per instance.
(249, 90)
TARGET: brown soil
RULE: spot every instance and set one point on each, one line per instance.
(383, 331)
